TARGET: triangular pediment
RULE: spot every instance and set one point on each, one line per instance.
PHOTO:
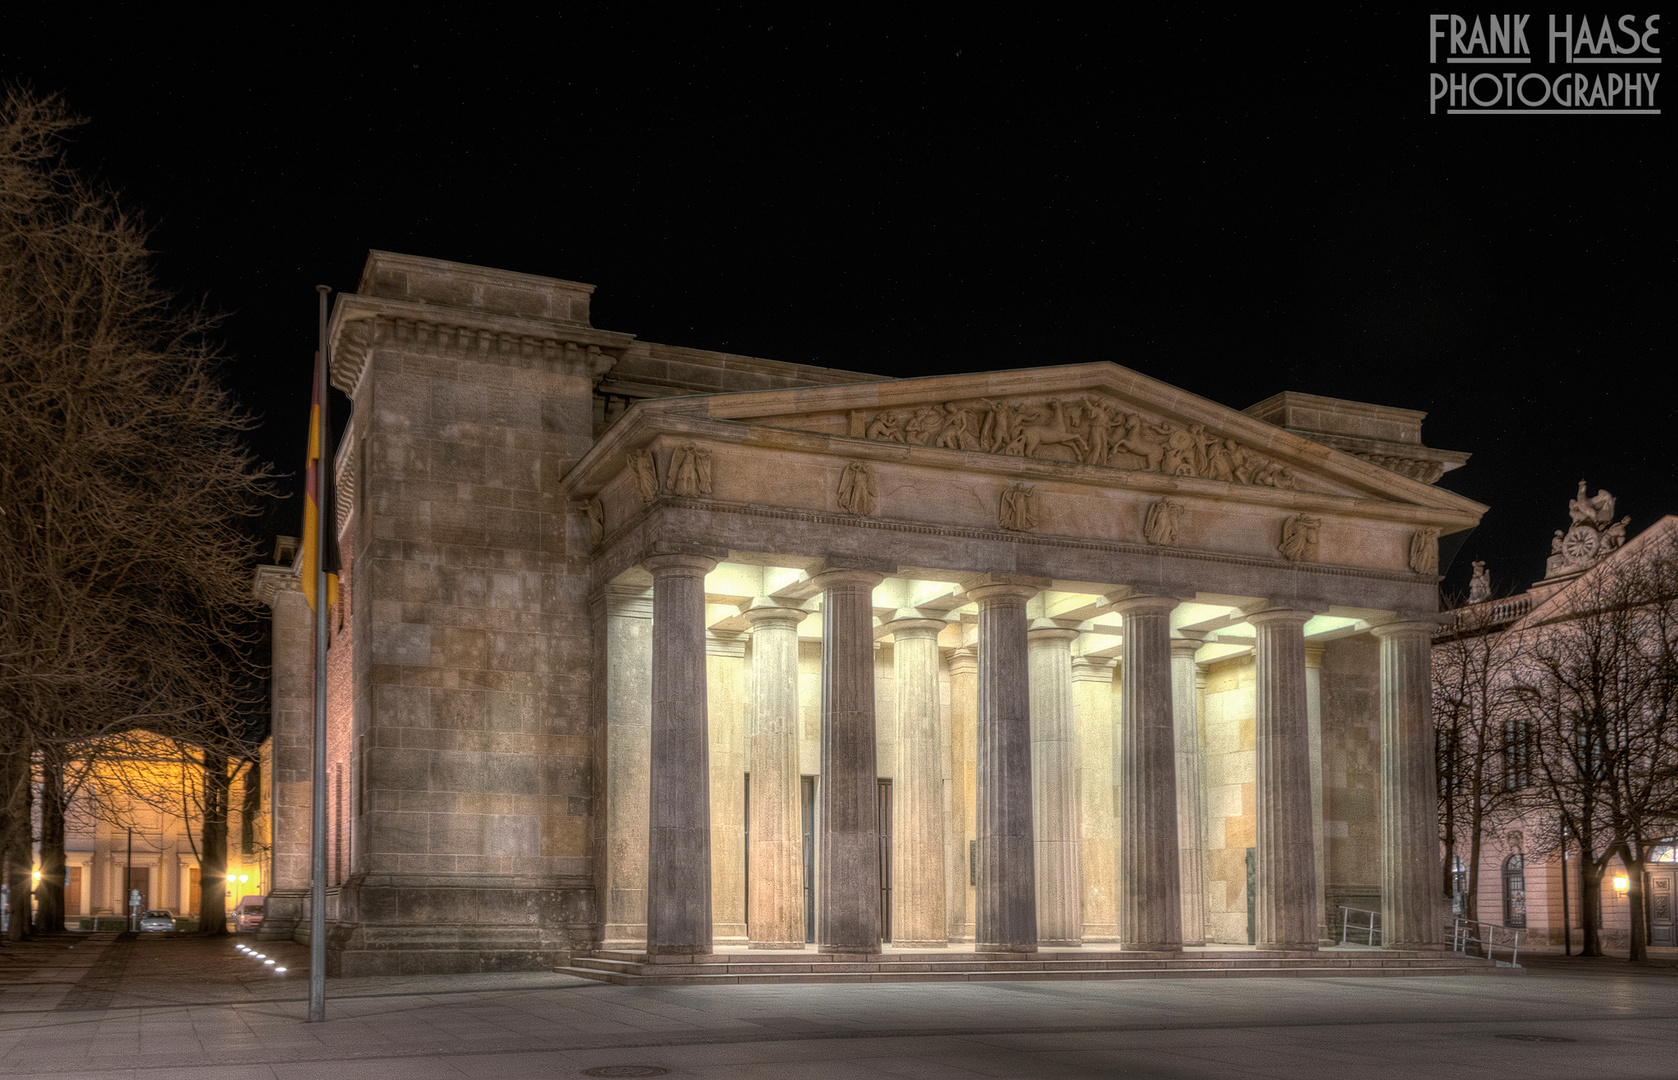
(1097, 414)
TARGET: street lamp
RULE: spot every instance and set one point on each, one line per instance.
(1621, 884)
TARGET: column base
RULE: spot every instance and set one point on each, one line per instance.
(1150, 946)
(664, 953)
(1059, 943)
(779, 946)
(991, 946)
(850, 950)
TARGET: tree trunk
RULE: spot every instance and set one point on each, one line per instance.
(1590, 903)
(49, 896)
(20, 861)
(1639, 949)
(212, 877)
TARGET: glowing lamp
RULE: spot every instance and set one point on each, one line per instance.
(230, 879)
(1621, 883)
(244, 878)
(37, 877)
(279, 971)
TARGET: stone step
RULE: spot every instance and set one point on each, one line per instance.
(811, 956)
(659, 975)
(789, 967)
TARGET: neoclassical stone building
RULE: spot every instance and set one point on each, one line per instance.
(661, 649)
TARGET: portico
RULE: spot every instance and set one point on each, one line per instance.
(969, 712)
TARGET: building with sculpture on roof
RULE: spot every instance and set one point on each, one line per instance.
(1529, 876)
(667, 651)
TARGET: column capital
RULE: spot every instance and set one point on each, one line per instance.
(914, 628)
(725, 643)
(965, 660)
(679, 565)
(1279, 615)
(1313, 655)
(773, 614)
(827, 579)
(1185, 647)
(1133, 603)
(1094, 668)
(1051, 633)
(1408, 628)
(1005, 591)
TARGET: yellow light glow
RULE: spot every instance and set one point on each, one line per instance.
(230, 878)
(1621, 883)
(37, 877)
(244, 878)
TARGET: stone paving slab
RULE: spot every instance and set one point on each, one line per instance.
(191, 1008)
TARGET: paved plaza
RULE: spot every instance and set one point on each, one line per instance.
(113, 1006)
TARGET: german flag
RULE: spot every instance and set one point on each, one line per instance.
(318, 481)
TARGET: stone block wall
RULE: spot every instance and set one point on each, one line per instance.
(1229, 741)
(1351, 685)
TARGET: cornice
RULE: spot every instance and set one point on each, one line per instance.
(269, 580)
(361, 323)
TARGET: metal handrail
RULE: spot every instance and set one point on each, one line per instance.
(1484, 934)
(1370, 928)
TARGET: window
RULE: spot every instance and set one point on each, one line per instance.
(1515, 892)
(1517, 755)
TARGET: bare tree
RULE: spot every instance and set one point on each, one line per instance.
(1601, 700)
(1476, 712)
(122, 561)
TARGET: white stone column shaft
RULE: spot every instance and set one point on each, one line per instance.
(1410, 917)
(776, 910)
(1054, 789)
(918, 917)
(848, 908)
(1006, 897)
(964, 723)
(1092, 703)
(1150, 884)
(679, 832)
(1185, 699)
(629, 709)
(1287, 888)
(1314, 718)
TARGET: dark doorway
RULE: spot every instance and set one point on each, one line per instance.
(139, 877)
(1663, 884)
(1515, 891)
(885, 860)
(807, 813)
(72, 891)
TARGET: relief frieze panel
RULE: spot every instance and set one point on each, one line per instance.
(1090, 430)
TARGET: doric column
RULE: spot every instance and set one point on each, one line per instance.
(918, 918)
(1054, 788)
(964, 765)
(1006, 898)
(1409, 826)
(679, 832)
(628, 631)
(848, 907)
(1314, 720)
(1185, 700)
(1287, 888)
(1150, 885)
(1092, 707)
(776, 911)
(727, 719)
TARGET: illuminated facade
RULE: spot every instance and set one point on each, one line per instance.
(665, 650)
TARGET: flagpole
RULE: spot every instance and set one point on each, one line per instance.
(317, 794)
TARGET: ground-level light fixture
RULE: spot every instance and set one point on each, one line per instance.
(279, 971)
(269, 963)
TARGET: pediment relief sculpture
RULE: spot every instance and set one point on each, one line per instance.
(690, 471)
(1160, 524)
(1018, 509)
(1424, 551)
(857, 490)
(644, 468)
(1299, 538)
(1090, 430)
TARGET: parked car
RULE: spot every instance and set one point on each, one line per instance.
(248, 915)
(157, 922)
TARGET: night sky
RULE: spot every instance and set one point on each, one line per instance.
(1236, 203)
